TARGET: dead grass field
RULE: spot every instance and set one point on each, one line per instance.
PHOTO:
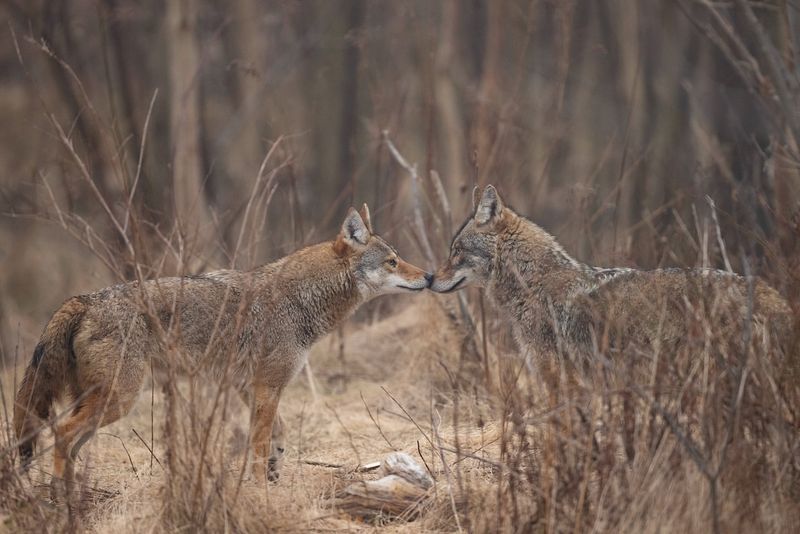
(503, 460)
(124, 488)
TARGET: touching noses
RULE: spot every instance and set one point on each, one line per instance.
(429, 279)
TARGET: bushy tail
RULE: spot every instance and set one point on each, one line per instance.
(46, 375)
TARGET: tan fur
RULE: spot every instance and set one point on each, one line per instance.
(252, 328)
(558, 305)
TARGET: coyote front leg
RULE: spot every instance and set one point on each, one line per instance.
(262, 419)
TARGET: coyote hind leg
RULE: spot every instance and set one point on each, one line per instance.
(97, 410)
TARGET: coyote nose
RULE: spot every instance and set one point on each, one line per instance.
(429, 278)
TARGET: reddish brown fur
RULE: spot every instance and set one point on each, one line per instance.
(253, 328)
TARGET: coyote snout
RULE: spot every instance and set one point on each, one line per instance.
(411, 278)
(378, 268)
(473, 248)
(450, 277)
(390, 274)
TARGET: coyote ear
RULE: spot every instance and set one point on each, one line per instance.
(489, 207)
(364, 212)
(476, 196)
(354, 231)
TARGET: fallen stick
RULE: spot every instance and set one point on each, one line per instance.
(363, 468)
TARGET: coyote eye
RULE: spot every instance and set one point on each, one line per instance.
(391, 262)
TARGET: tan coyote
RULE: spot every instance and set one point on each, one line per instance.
(558, 305)
(255, 327)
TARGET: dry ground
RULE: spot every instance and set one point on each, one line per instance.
(353, 420)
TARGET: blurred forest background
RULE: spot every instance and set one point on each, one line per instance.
(607, 122)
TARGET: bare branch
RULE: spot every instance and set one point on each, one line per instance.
(415, 193)
(720, 242)
(141, 158)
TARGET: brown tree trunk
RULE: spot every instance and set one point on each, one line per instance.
(243, 152)
(485, 128)
(349, 124)
(447, 108)
(191, 208)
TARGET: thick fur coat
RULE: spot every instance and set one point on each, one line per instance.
(252, 328)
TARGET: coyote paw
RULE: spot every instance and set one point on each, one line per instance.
(261, 474)
(274, 469)
(274, 464)
(58, 489)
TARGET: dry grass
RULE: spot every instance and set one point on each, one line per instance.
(353, 421)
(524, 457)
(712, 443)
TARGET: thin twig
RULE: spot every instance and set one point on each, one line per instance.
(259, 178)
(779, 72)
(122, 442)
(447, 471)
(415, 193)
(419, 451)
(369, 413)
(444, 205)
(140, 160)
(410, 417)
(720, 242)
(152, 454)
